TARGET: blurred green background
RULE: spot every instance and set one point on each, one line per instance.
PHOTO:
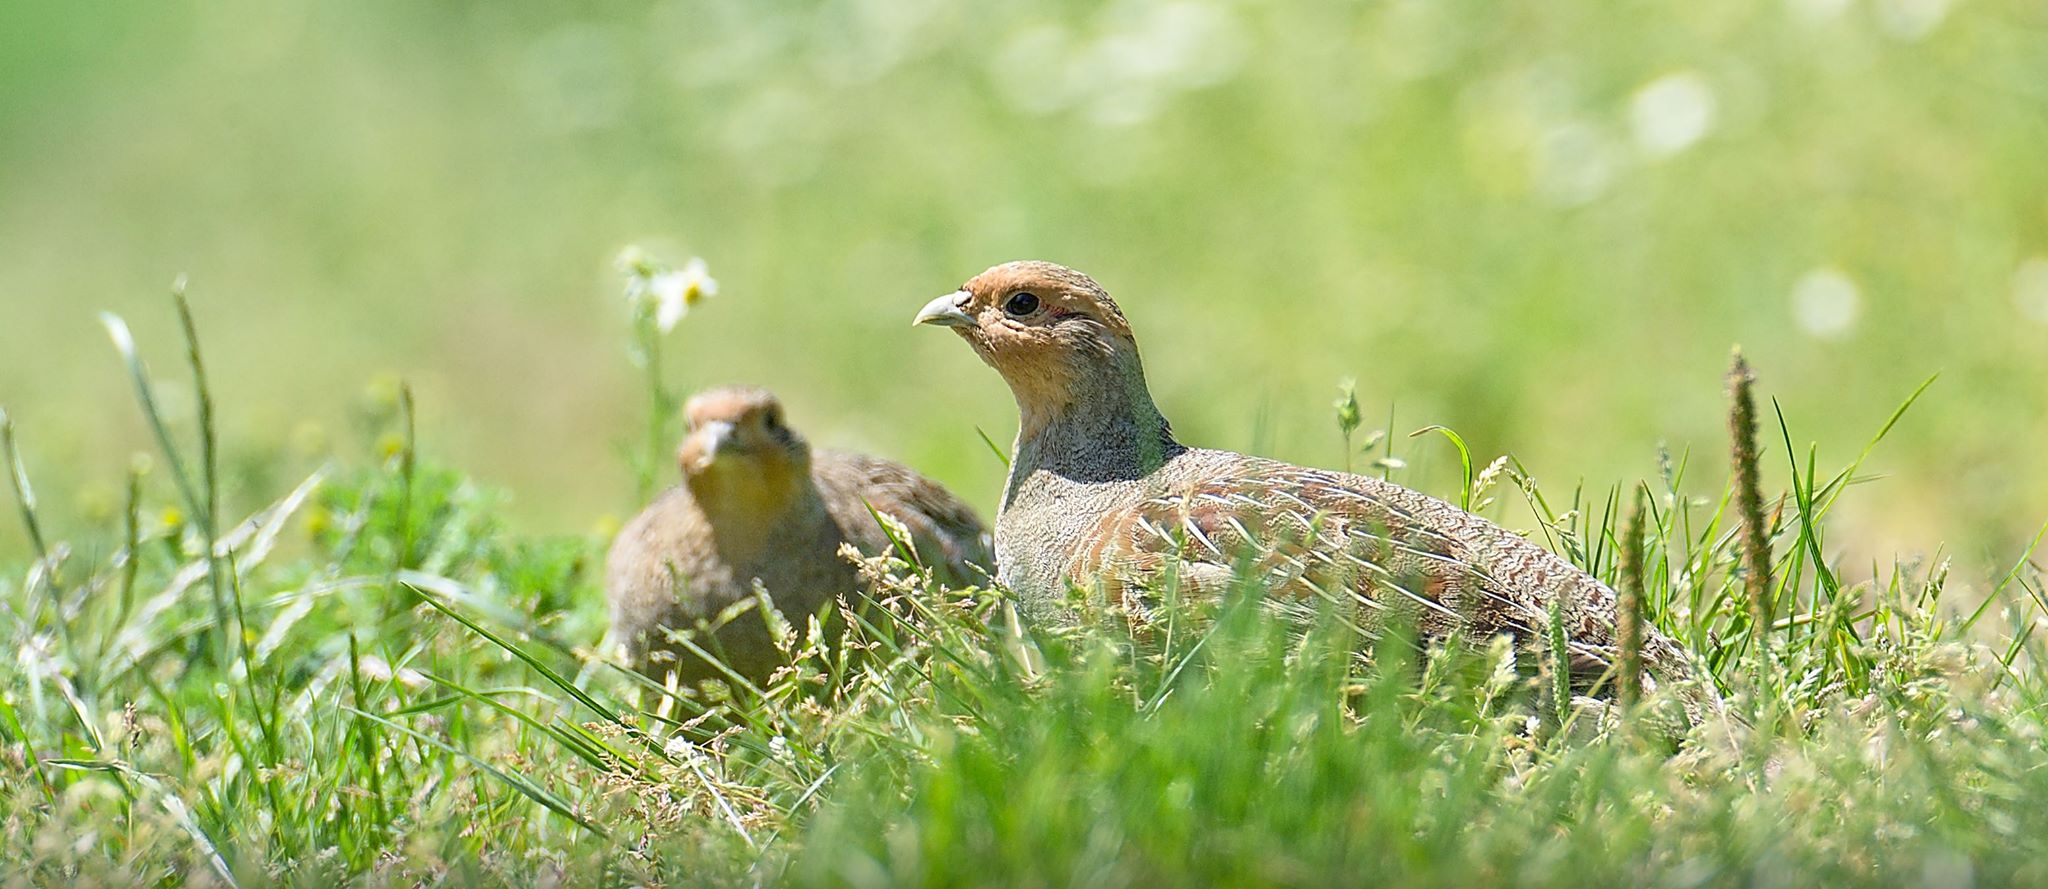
(1541, 223)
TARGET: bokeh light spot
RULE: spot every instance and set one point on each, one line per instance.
(1669, 114)
(2030, 289)
(1826, 303)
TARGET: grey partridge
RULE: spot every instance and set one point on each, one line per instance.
(758, 506)
(1102, 497)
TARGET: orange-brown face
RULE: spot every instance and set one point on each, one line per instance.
(1046, 328)
(738, 434)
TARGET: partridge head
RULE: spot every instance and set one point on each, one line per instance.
(740, 459)
(1050, 331)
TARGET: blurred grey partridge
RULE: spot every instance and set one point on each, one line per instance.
(758, 506)
(1103, 497)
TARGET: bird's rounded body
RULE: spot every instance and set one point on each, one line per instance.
(775, 524)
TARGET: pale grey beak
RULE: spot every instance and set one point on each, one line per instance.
(716, 433)
(945, 311)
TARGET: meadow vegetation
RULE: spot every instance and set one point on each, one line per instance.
(371, 680)
(1539, 223)
(272, 625)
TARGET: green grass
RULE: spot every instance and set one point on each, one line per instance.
(372, 680)
(1443, 199)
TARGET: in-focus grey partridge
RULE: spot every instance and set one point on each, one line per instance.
(1103, 497)
(757, 505)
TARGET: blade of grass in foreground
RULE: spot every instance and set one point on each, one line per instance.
(2007, 579)
(583, 748)
(176, 806)
(1464, 460)
(520, 783)
(195, 501)
(25, 497)
(993, 448)
(29, 755)
(1803, 494)
(418, 582)
(1840, 483)
(366, 740)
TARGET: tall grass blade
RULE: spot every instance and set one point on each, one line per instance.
(172, 803)
(1464, 461)
(25, 499)
(520, 783)
(2007, 578)
(418, 584)
(993, 448)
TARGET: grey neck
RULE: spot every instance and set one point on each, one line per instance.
(1110, 432)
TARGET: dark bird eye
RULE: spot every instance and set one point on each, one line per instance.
(1021, 304)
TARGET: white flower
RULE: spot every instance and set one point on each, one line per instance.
(632, 260)
(676, 291)
(668, 293)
